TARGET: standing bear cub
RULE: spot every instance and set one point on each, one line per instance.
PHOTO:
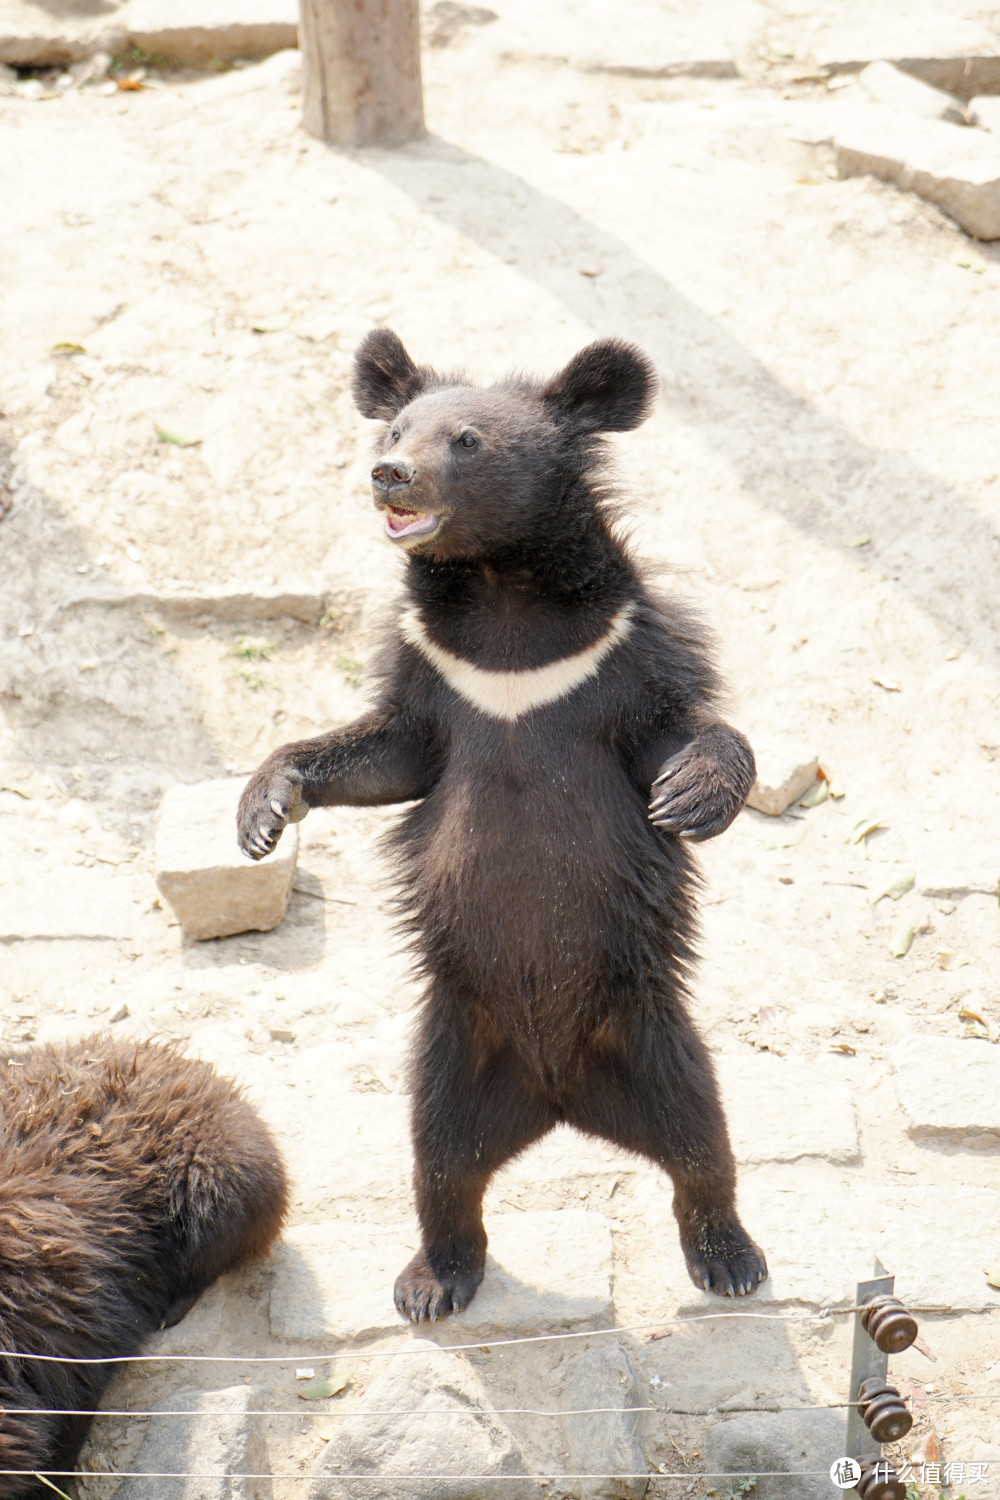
(553, 724)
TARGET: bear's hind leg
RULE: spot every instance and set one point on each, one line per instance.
(651, 1088)
(473, 1109)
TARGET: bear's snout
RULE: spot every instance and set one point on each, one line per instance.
(392, 474)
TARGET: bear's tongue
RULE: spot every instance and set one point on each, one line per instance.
(408, 522)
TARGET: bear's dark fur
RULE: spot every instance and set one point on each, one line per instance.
(535, 695)
(132, 1178)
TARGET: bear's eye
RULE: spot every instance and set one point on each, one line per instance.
(467, 440)
(394, 437)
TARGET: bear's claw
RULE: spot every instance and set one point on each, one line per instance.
(423, 1296)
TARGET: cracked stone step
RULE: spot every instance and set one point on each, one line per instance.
(544, 1272)
(604, 1441)
(781, 1109)
(446, 1427)
(214, 890)
(195, 33)
(955, 168)
(950, 1087)
(820, 1231)
(214, 1447)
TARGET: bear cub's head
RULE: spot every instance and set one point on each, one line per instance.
(464, 470)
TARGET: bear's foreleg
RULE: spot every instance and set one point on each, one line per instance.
(381, 757)
(473, 1109)
(698, 789)
(650, 1087)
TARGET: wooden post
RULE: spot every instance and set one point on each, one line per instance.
(361, 71)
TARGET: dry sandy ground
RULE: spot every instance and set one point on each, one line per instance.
(828, 374)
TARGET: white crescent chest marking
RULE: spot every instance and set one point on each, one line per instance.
(508, 695)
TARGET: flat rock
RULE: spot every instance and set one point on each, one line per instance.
(195, 33)
(67, 903)
(984, 111)
(781, 1109)
(39, 35)
(784, 772)
(214, 890)
(947, 1086)
(213, 1448)
(263, 603)
(201, 32)
(885, 84)
(445, 1429)
(603, 1442)
(544, 1272)
(805, 1443)
(952, 167)
(820, 1232)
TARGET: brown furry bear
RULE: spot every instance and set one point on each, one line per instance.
(553, 723)
(132, 1178)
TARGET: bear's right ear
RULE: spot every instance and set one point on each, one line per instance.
(385, 377)
(607, 387)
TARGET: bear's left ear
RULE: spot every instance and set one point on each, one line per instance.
(607, 387)
(385, 377)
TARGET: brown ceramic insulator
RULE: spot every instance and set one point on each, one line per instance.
(889, 1324)
(880, 1482)
(883, 1411)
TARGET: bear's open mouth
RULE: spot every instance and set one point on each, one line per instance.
(400, 523)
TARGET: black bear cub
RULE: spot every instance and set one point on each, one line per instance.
(132, 1178)
(553, 724)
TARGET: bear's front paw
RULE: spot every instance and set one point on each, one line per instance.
(423, 1295)
(271, 798)
(691, 798)
(725, 1260)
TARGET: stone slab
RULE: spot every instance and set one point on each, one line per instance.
(886, 84)
(784, 772)
(948, 1086)
(214, 890)
(444, 1428)
(67, 903)
(603, 1442)
(984, 111)
(955, 168)
(214, 1448)
(196, 33)
(783, 1109)
(544, 1272)
(805, 1443)
(641, 38)
(264, 603)
(34, 35)
(199, 33)
(820, 1234)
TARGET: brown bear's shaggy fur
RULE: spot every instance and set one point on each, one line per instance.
(132, 1178)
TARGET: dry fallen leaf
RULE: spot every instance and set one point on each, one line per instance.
(660, 1333)
(898, 888)
(179, 439)
(844, 1047)
(927, 1451)
(861, 830)
(816, 794)
(67, 348)
(888, 683)
(972, 1015)
(925, 1349)
(859, 541)
(323, 1386)
(901, 940)
(993, 1277)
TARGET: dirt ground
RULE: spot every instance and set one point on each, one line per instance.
(822, 475)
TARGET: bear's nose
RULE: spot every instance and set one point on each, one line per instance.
(391, 474)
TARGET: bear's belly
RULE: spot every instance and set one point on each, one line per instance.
(550, 884)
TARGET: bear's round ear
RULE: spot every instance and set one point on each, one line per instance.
(385, 377)
(607, 387)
